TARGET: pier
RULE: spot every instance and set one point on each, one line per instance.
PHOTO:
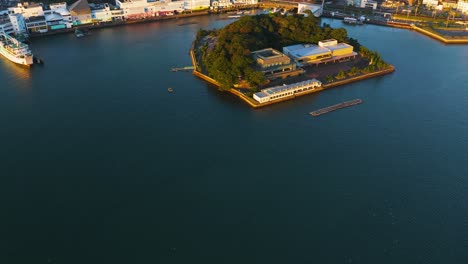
(335, 107)
(186, 68)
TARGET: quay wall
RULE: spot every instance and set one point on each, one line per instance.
(439, 37)
(359, 78)
(118, 23)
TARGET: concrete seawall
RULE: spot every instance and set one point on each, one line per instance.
(438, 37)
(119, 23)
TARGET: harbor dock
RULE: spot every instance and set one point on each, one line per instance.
(186, 68)
(335, 107)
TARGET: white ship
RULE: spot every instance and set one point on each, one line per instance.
(15, 50)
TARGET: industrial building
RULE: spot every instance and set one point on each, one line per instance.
(326, 51)
(283, 91)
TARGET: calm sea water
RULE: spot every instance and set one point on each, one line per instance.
(100, 164)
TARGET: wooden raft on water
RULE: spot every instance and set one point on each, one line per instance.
(335, 107)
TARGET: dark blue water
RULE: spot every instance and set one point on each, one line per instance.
(100, 164)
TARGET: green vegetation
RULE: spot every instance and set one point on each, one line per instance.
(375, 61)
(227, 60)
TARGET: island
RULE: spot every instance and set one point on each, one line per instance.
(269, 58)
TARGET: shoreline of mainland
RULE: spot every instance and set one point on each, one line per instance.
(261, 5)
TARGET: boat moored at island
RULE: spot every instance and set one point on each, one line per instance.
(15, 50)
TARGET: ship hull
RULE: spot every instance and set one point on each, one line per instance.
(26, 60)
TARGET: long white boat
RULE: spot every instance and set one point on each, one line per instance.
(15, 50)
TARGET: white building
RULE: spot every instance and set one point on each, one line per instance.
(17, 21)
(284, 91)
(36, 24)
(61, 9)
(101, 12)
(5, 24)
(245, 2)
(315, 9)
(220, 4)
(463, 6)
(27, 9)
(197, 4)
(136, 9)
(430, 3)
(363, 3)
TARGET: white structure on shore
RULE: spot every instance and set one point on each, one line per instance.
(17, 22)
(430, 3)
(462, 6)
(139, 9)
(27, 9)
(284, 91)
(363, 3)
(220, 4)
(5, 24)
(316, 10)
(101, 12)
(197, 4)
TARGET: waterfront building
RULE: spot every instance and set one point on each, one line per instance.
(245, 2)
(430, 3)
(101, 12)
(220, 4)
(5, 24)
(27, 9)
(197, 4)
(363, 3)
(337, 49)
(284, 91)
(56, 21)
(450, 4)
(462, 6)
(36, 24)
(80, 12)
(304, 54)
(317, 10)
(273, 63)
(140, 9)
(326, 51)
(17, 21)
(62, 9)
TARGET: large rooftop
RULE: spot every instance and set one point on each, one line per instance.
(304, 50)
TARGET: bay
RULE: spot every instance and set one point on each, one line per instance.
(100, 164)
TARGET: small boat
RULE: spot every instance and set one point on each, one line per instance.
(170, 89)
(79, 33)
(234, 16)
(37, 60)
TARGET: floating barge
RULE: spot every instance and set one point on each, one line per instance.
(335, 107)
